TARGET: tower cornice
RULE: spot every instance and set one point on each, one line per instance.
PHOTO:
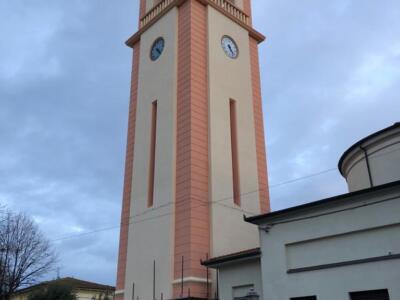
(223, 6)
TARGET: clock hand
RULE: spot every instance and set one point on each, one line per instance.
(158, 50)
(230, 48)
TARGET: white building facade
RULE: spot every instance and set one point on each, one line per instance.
(334, 248)
(342, 248)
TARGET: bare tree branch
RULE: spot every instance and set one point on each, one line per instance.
(25, 255)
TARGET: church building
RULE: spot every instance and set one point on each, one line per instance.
(346, 247)
(195, 158)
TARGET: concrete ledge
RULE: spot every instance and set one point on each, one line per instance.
(344, 263)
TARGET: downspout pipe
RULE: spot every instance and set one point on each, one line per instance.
(368, 165)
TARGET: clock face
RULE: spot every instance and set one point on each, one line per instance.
(230, 47)
(157, 49)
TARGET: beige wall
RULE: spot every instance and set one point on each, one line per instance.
(239, 3)
(231, 79)
(149, 4)
(88, 295)
(151, 236)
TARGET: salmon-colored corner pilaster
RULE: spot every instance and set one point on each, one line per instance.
(126, 198)
(259, 128)
(142, 10)
(118, 297)
(192, 232)
(247, 8)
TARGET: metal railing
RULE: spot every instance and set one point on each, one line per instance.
(226, 5)
(154, 12)
(231, 9)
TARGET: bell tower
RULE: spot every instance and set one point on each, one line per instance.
(195, 159)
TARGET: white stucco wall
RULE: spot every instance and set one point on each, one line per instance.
(237, 278)
(383, 152)
(341, 233)
(231, 79)
(151, 230)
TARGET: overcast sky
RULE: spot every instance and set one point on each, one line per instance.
(330, 76)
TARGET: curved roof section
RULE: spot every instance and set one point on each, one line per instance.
(362, 141)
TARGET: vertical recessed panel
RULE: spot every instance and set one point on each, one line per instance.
(150, 201)
(235, 158)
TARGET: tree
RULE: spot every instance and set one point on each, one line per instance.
(54, 291)
(2, 214)
(104, 296)
(25, 255)
(2, 250)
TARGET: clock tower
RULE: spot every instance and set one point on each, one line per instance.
(195, 160)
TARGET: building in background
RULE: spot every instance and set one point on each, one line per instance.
(84, 290)
(341, 248)
(239, 274)
(195, 160)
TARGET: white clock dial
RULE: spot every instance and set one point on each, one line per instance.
(230, 47)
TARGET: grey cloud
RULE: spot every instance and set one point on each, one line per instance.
(64, 88)
(330, 75)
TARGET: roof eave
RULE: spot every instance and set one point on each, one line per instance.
(284, 213)
(232, 258)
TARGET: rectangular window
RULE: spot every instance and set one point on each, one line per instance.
(235, 158)
(305, 298)
(370, 295)
(153, 137)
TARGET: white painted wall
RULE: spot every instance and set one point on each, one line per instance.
(231, 79)
(240, 276)
(151, 236)
(355, 233)
(383, 152)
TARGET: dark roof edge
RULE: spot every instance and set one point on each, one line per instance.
(288, 211)
(362, 141)
(190, 298)
(76, 285)
(25, 289)
(256, 252)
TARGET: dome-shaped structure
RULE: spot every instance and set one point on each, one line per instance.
(373, 161)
